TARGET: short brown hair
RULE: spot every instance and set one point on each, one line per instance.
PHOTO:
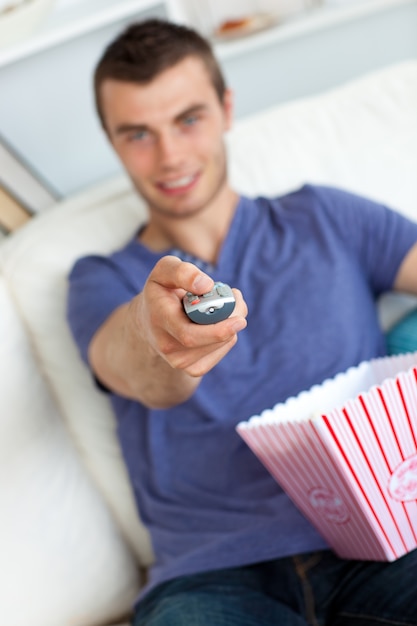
(146, 49)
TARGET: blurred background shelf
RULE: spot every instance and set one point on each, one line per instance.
(317, 18)
(73, 18)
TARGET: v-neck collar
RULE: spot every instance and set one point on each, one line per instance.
(227, 253)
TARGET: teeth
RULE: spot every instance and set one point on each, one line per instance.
(180, 182)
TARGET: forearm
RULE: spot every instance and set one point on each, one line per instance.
(148, 349)
(127, 364)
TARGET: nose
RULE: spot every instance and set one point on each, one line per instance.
(170, 152)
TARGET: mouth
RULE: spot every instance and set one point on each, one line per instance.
(178, 185)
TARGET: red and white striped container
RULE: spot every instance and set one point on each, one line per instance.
(346, 454)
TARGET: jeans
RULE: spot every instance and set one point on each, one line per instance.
(316, 588)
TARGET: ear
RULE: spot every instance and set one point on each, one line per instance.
(228, 108)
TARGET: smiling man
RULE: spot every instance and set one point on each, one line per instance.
(168, 137)
(230, 547)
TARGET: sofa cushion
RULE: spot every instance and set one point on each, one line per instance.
(63, 560)
(36, 262)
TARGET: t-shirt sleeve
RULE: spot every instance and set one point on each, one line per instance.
(97, 287)
(379, 236)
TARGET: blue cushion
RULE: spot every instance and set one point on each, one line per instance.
(402, 337)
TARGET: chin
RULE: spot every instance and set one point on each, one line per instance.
(182, 212)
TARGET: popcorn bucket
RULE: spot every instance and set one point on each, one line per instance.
(345, 452)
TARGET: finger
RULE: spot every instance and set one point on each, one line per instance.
(241, 308)
(197, 363)
(190, 335)
(172, 273)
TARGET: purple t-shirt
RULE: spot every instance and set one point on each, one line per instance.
(310, 265)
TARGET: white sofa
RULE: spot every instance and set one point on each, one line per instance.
(72, 547)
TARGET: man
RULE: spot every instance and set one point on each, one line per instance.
(230, 547)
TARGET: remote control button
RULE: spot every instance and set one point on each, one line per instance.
(223, 290)
(196, 301)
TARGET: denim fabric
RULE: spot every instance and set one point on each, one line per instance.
(316, 589)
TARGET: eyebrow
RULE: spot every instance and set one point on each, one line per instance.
(128, 128)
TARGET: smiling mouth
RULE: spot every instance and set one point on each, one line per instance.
(179, 184)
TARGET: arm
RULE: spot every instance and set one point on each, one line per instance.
(148, 350)
(406, 279)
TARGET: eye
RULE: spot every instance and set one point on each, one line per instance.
(138, 135)
(189, 120)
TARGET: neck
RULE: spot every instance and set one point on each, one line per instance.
(201, 234)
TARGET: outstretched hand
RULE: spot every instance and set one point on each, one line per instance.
(195, 349)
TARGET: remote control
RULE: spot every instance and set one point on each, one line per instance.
(211, 307)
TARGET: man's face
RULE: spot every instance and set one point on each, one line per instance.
(169, 136)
